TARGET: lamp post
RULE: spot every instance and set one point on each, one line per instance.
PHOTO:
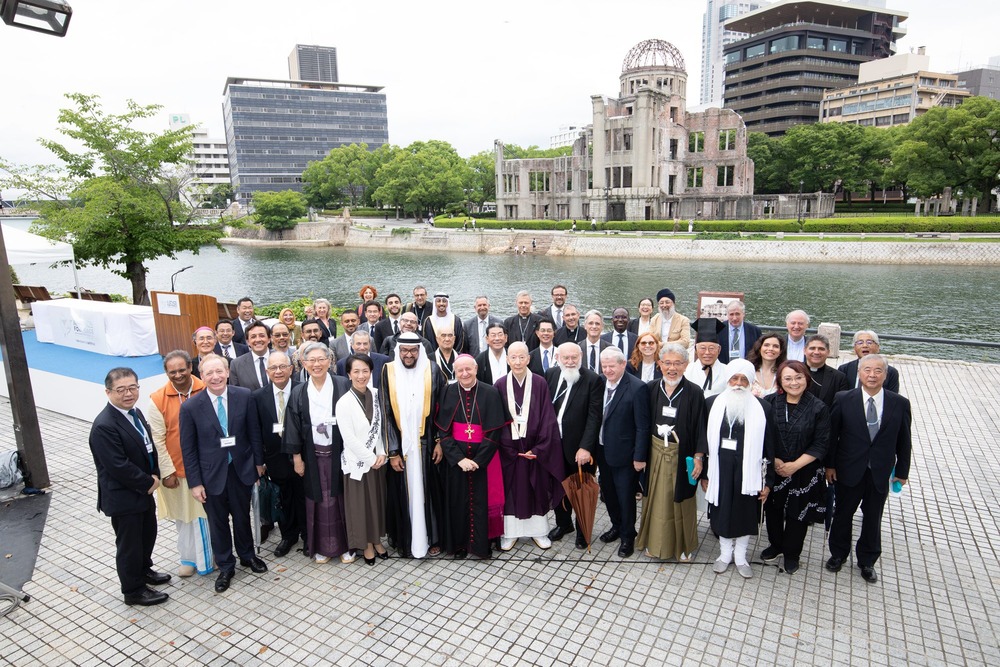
(607, 200)
(798, 206)
(51, 18)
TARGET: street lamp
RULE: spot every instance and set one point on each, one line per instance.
(798, 205)
(51, 18)
(607, 199)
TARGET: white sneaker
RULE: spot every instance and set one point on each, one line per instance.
(542, 542)
(507, 543)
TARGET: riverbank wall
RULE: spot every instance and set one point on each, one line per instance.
(628, 245)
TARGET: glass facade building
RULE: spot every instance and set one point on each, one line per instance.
(275, 128)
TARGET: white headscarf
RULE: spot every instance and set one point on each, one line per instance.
(440, 321)
(753, 436)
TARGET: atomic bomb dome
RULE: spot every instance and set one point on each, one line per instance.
(655, 63)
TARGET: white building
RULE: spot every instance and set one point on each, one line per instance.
(714, 37)
(211, 160)
(566, 136)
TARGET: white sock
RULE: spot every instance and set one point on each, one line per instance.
(741, 549)
(726, 549)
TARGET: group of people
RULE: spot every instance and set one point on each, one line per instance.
(443, 436)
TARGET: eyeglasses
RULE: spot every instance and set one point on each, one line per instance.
(316, 360)
(279, 367)
(648, 342)
(131, 389)
(674, 364)
(865, 343)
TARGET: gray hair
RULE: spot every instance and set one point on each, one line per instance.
(819, 338)
(612, 353)
(317, 302)
(865, 332)
(314, 345)
(738, 304)
(673, 348)
(868, 359)
(116, 374)
(593, 311)
(523, 292)
(799, 312)
(275, 353)
(176, 354)
(362, 333)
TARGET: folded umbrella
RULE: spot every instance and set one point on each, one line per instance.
(582, 492)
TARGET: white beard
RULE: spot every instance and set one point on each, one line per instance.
(736, 399)
(667, 314)
(570, 376)
(673, 383)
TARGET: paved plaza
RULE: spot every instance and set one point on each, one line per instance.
(936, 601)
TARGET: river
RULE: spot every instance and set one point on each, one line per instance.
(946, 302)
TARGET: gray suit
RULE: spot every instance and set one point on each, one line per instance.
(244, 371)
(471, 327)
(340, 347)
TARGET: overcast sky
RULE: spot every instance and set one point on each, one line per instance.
(465, 72)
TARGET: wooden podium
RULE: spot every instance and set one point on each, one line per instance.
(177, 315)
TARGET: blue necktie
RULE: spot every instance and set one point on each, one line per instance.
(134, 414)
(545, 360)
(223, 421)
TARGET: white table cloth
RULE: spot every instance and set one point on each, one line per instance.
(115, 329)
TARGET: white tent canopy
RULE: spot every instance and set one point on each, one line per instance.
(26, 248)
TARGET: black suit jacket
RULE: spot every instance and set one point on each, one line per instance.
(585, 354)
(378, 360)
(471, 327)
(627, 423)
(850, 371)
(428, 332)
(238, 335)
(630, 339)
(827, 382)
(483, 373)
(581, 421)
(751, 332)
(124, 473)
(298, 439)
(535, 360)
(279, 464)
(383, 329)
(853, 451)
(513, 326)
(238, 349)
(563, 335)
(205, 460)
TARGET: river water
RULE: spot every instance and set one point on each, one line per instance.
(945, 302)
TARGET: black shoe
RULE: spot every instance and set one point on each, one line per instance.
(791, 565)
(834, 564)
(222, 583)
(284, 546)
(255, 564)
(770, 554)
(868, 573)
(147, 597)
(626, 549)
(610, 536)
(370, 561)
(559, 532)
(156, 578)
(382, 556)
(461, 554)
(581, 543)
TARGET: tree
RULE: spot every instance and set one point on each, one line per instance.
(484, 177)
(116, 199)
(342, 175)
(958, 148)
(380, 156)
(515, 152)
(769, 163)
(829, 156)
(424, 176)
(276, 211)
(221, 196)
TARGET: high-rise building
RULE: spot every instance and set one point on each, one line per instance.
(796, 50)
(210, 157)
(313, 63)
(714, 37)
(275, 128)
(983, 80)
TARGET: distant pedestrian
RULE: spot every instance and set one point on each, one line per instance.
(534, 246)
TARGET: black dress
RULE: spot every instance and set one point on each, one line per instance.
(803, 428)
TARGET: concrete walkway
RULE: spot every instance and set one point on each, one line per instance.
(936, 601)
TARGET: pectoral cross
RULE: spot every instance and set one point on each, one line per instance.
(469, 431)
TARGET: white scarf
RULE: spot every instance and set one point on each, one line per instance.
(321, 410)
(519, 422)
(562, 408)
(753, 447)
(410, 396)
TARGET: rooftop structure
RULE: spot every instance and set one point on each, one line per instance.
(313, 63)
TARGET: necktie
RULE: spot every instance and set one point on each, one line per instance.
(225, 352)
(872, 418)
(220, 410)
(281, 407)
(545, 360)
(621, 343)
(708, 377)
(593, 358)
(395, 327)
(735, 338)
(133, 413)
(558, 317)
(263, 371)
(607, 400)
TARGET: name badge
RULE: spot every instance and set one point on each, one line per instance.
(278, 428)
(228, 442)
(520, 419)
(729, 443)
(149, 447)
(332, 421)
(452, 381)
(669, 411)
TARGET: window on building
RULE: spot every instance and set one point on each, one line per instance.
(590, 180)
(673, 149)
(757, 50)
(838, 45)
(900, 118)
(726, 173)
(627, 141)
(727, 140)
(785, 44)
(696, 142)
(569, 181)
(586, 210)
(539, 181)
(626, 177)
(817, 43)
(732, 57)
(883, 121)
(671, 180)
(695, 177)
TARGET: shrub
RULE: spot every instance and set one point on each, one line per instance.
(912, 225)
(402, 231)
(297, 305)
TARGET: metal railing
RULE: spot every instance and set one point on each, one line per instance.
(910, 339)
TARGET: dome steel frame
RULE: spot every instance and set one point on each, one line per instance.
(653, 54)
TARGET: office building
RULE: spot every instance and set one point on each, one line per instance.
(210, 157)
(984, 81)
(796, 50)
(714, 37)
(892, 91)
(313, 63)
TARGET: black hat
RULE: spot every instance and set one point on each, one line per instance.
(707, 329)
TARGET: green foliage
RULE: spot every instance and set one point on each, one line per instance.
(957, 147)
(484, 177)
(361, 212)
(273, 310)
(341, 177)
(455, 208)
(221, 196)
(13, 276)
(515, 152)
(985, 224)
(770, 176)
(116, 193)
(718, 236)
(276, 211)
(402, 231)
(424, 176)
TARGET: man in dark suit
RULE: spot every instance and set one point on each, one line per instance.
(475, 327)
(226, 345)
(555, 311)
(128, 473)
(388, 325)
(223, 458)
(621, 337)
(492, 362)
(570, 331)
(440, 319)
(250, 370)
(593, 344)
(407, 323)
(543, 358)
(363, 345)
(521, 326)
(576, 398)
(244, 309)
(623, 447)
(865, 343)
(341, 345)
(738, 337)
(419, 306)
(827, 381)
(270, 402)
(869, 442)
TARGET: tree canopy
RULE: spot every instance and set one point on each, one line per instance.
(424, 176)
(277, 211)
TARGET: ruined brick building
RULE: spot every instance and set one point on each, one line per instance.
(644, 157)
